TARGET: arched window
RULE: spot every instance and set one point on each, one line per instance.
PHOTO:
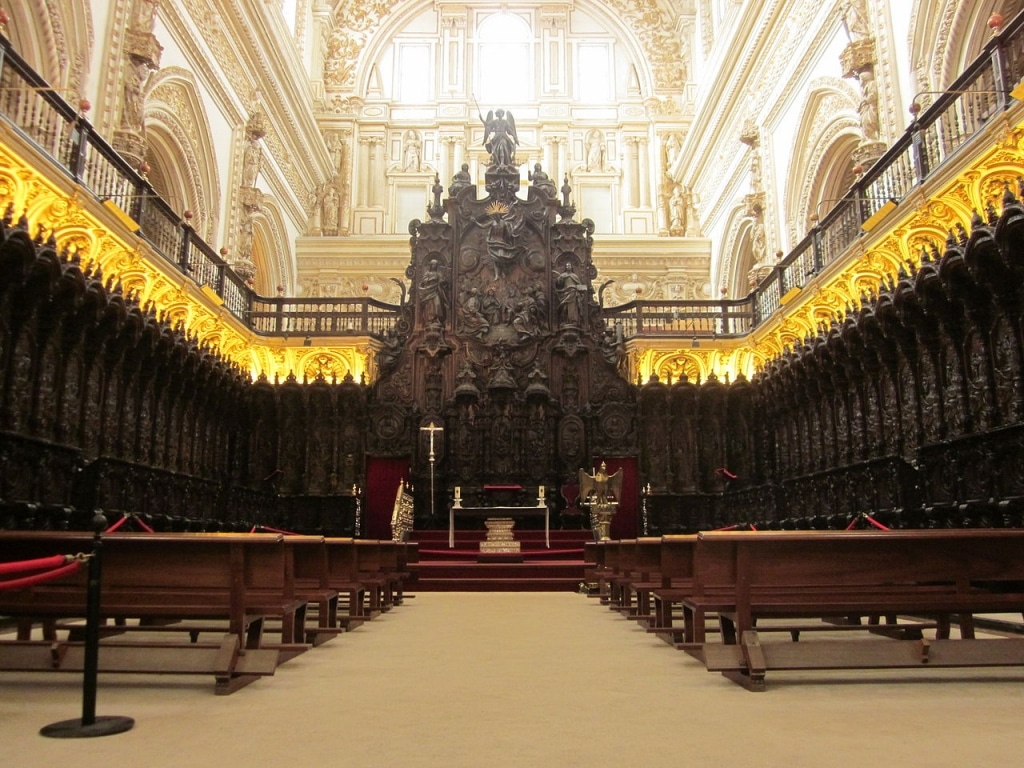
(505, 66)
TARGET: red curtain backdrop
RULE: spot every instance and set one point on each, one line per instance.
(624, 524)
(382, 478)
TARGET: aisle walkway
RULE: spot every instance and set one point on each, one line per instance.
(532, 680)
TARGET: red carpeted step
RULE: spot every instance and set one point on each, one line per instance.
(555, 568)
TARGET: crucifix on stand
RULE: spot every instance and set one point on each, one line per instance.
(431, 428)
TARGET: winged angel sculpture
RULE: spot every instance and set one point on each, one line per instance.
(500, 137)
(601, 493)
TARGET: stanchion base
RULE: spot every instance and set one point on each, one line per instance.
(73, 729)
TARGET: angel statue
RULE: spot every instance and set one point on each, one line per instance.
(500, 137)
(601, 492)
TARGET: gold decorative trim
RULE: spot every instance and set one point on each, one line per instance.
(84, 225)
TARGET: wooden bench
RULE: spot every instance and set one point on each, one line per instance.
(165, 581)
(673, 581)
(745, 577)
(310, 582)
(383, 568)
(618, 557)
(645, 574)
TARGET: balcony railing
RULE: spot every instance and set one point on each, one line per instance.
(958, 115)
(322, 317)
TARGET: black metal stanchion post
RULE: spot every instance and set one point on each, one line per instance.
(90, 725)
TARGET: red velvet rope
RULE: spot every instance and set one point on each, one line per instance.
(39, 578)
(877, 524)
(870, 519)
(124, 518)
(268, 529)
(39, 564)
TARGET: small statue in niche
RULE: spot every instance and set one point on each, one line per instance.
(677, 211)
(572, 292)
(413, 148)
(868, 108)
(433, 302)
(391, 350)
(854, 21)
(595, 151)
(251, 161)
(672, 148)
(331, 205)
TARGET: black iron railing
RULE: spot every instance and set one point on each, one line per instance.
(957, 116)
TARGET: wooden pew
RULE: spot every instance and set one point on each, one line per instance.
(644, 565)
(311, 583)
(751, 576)
(383, 567)
(162, 580)
(673, 582)
(618, 559)
(343, 575)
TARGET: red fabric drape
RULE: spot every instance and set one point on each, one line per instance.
(382, 478)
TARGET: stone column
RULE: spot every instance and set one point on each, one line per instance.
(375, 171)
(645, 173)
(363, 184)
(563, 159)
(460, 152)
(345, 183)
(631, 181)
(548, 160)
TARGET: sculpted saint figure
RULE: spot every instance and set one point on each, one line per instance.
(500, 137)
(413, 147)
(542, 181)
(432, 298)
(853, 18)
(331, 204)
(595, 152)
(460, 180)
(571, 295)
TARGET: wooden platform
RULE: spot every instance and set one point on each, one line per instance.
(463, 569)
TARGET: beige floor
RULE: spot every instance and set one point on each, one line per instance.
(528, 680)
